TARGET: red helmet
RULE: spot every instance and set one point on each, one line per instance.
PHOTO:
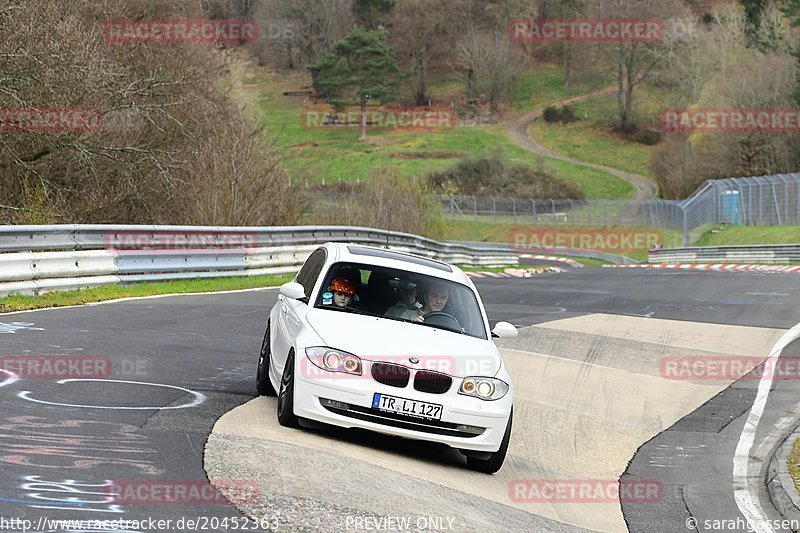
(343, 285)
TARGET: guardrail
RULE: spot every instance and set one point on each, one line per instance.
(760, 253)
(552, 250)
(36, 259)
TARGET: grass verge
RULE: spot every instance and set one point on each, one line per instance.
(794, 464)
(590, 262)
(738, 235)
(113, 292)
(487, 269)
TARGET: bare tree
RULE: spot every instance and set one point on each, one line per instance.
(422, 31)
(317, 24)
(489, 62)
(165, 116)
(389, 200)
(633, 62)
(763, 82)
(760, 82)
(696, 52)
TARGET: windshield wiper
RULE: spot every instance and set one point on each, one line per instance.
(346, 310)
(461, 331)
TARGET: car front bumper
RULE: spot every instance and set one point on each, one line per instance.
(466, 423)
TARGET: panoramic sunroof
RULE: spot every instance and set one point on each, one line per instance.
(399, 256)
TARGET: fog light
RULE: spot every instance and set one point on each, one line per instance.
(472, 430)
(333, 404)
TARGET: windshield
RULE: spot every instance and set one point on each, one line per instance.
(401, 295)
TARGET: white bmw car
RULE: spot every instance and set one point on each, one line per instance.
(390, 342)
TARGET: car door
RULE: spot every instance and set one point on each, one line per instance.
(290, 312)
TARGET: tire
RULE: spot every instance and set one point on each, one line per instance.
(263, 384)
(286, 416)
(496, 459)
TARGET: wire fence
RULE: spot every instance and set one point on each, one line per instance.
(753, 201)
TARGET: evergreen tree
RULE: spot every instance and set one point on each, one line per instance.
(360, 67)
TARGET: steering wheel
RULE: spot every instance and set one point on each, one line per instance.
(445, 320)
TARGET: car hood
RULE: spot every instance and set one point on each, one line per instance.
(382, 339)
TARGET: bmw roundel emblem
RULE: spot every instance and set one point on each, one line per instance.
(413, 360)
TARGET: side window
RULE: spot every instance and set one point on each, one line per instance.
(311, 269)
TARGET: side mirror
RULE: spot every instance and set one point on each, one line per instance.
(294, 290)
(504, 330)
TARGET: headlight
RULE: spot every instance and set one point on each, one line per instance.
(483, 388)
(334, 360)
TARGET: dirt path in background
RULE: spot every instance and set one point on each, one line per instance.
(519, 131)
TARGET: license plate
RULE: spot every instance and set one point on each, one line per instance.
(404, 406)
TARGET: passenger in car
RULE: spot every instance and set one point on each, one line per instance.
(407, 306)
(340, 292)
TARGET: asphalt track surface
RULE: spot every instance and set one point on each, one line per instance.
(63, 443)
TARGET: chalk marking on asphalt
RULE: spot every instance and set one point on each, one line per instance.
(746, 500)
(198, 397)
(13, 327)
(12, 378)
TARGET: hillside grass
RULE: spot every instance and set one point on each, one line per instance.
(541, 87)
(591, 138)
(334, 154)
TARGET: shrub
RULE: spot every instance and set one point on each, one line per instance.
(388, 200)
(494, 176)
(567, 115)
(649, 137)
(551, 114)
(564, 115)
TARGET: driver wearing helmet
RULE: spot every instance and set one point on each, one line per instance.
(341, 293)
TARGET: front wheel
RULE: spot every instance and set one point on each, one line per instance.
(286, 416)
(263, 384)
(496, 459)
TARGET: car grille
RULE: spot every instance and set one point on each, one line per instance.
(392, 375)
(432, 382)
